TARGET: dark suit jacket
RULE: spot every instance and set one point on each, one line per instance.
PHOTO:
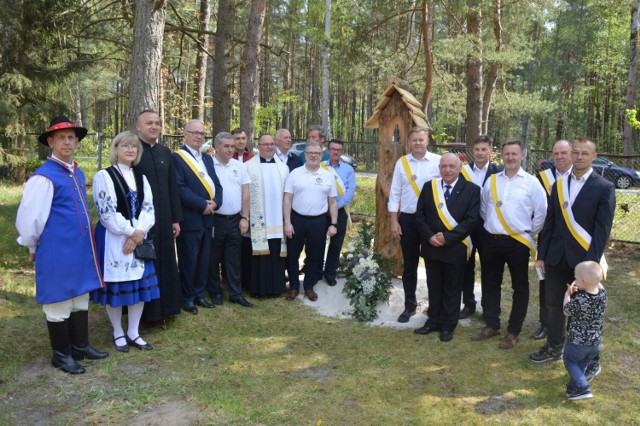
(193, 194)
(476, 235)
(293, 161)
(593, 209)
(464, 206)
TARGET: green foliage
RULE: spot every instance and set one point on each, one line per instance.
(368, 280)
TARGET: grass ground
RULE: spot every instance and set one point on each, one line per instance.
(282, 363)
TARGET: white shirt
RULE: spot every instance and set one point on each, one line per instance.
(402, 196)
(284, 156)
(34, 208)
(310, 190)
(232, 176)
(524, 204)
(576, 185)
(197, 155)
(480, 173)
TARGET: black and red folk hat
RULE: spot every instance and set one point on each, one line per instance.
(61, 123)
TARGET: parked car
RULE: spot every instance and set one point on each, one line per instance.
(621, 177)
(299, 148)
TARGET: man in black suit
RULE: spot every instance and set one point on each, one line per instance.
(200, 195)
(477, 172)
(561, 169)
(576, 229)
(283, 144)
(448, 210)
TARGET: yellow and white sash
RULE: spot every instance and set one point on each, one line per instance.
(523, 237)
(443, 212)
(340, 189)
(578, 232)
(410, 176)
(200, 171)
(469, 175)
(548, 180)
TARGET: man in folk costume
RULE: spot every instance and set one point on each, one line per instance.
(156, 165)
(201, 196)
(54, 222)
(346, 187)
(513, 208)
(268, 175)
(576, 229)
(411, 172)
(448, 210)
(561, 169)
(232, 223)
(477, 172)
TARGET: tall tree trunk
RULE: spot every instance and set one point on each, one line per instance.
(146, 58)
(627, 147)
(200, 79)
(288, 83)
(221, 103)
(249, 68)
(492, 77)
(474, 77)
(426, 27)
(325, 68)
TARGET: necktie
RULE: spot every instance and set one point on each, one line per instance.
(447, 192)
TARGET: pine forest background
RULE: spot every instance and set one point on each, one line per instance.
(535, 70)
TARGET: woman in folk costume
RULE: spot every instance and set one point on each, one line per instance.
(125, 207)
(54, 222)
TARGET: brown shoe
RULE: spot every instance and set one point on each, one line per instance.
(509, 341)
(311, 295)
(485, 333)
(292, 294)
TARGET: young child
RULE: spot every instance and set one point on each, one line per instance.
(584, 304)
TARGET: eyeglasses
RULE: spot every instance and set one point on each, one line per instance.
(314, 153)
(127, 147)
(199, 134)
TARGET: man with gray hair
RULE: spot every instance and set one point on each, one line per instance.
(316, 133)
(200, 195)
(283, 144)
(232, 221)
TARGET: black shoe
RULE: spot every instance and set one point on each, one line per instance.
(66, 363)
(145, 347)
(331, 281)
(546, 353)
(190, 307)
(200, 301)
(426, 329)
(87, 352)
(241, 301)
(405, 315)
(216, 299)
(446, 336)
(467, 311)
(592, 371)
(124, 348)
(540, 333)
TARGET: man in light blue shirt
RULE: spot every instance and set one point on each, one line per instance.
(346, 186)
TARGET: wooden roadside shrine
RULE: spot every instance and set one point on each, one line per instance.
(395, 114)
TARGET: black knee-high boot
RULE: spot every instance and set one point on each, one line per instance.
(79, 337)
(62, 359)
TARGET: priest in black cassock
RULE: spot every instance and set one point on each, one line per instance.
(268, 174)
(157, 166)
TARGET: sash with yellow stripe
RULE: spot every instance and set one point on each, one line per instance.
(340, 189)
(204, 178)
(577, 232)
(444, 214)
(524, 237)
(467, 173)
(410, 178)
(548, 180)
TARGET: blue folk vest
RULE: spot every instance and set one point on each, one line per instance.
(66, 260)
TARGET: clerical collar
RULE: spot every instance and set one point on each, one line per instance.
(264, 160)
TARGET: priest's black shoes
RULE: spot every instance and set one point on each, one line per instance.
(426, 329)
(190, 307)
(446, 336)
(240, 300)
(200, 301)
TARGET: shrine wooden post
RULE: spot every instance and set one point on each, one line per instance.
(395, 114)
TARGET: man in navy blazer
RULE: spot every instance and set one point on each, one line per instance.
(477, 172)
(442, 242)
(590, 205)
(200, 195)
